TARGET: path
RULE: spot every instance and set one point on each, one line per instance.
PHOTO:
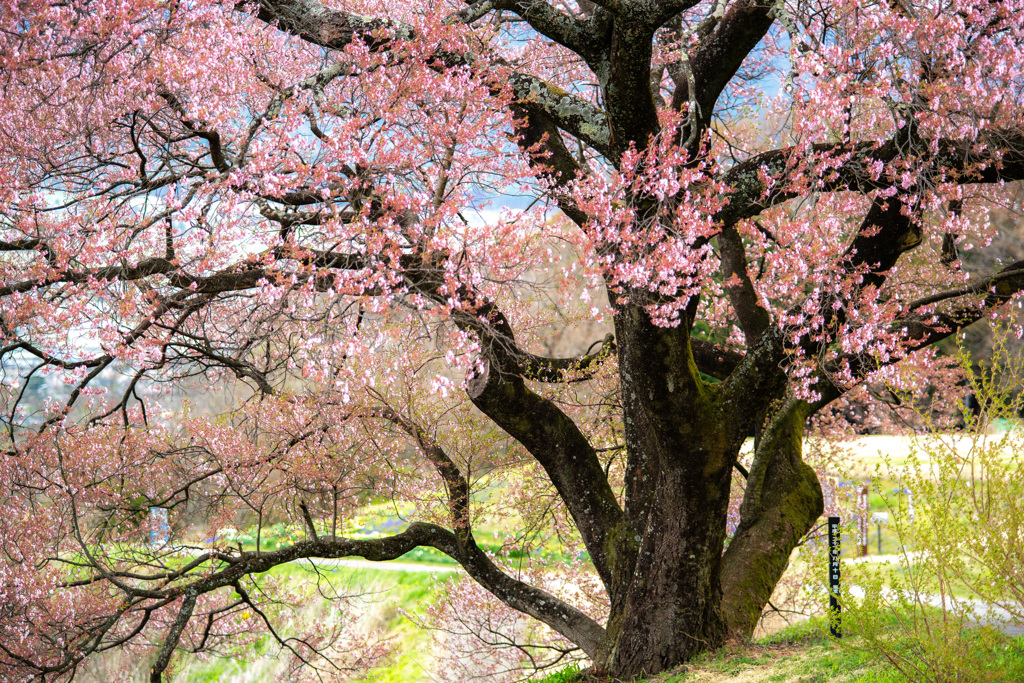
(388, 566)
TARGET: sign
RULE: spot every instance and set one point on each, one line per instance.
(863, 521)
(159, 528)
(834, 541)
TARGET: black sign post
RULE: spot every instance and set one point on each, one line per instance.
(834, 623)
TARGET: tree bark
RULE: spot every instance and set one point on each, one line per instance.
(670, 606)
(681, 443)
(782, 501)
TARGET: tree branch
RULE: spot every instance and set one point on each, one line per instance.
(188, 603)
(928, 330)
(335, 29)
(856, 171)
(718, 56)
(539, 138)
(754, 318)
(560, 616)
(562, 450)
(576, 369)
(577, 34)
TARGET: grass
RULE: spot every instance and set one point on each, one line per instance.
(802, 653)
(805, 653)
(389, 593)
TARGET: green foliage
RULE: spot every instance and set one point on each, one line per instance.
(569, 674)
(938, 617)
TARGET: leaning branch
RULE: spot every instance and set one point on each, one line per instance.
(559, 615)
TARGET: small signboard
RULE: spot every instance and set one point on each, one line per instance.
(862, 520)
(159, 528)
(834, 546)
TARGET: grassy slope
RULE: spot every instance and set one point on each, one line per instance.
(797, 654)
(391, 591)
(804, 653)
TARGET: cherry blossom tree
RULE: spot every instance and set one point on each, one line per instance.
(363, 221)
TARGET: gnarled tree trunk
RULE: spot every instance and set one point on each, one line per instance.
(683, 595)
(682, 438)
(669, 607)
(780, 505)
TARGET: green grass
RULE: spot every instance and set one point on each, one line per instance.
(389, 593)
(805, 653)
(567, 675)
(808, 659)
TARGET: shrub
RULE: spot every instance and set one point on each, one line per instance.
(939, 613)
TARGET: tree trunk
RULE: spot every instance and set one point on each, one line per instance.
(782, 501)
(666, 605)
(684, 596)
(670, 607)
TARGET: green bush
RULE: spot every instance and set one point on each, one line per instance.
(938, 616)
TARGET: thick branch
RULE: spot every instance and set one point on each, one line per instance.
(629, 99)
(560, 616)
(719, 55)
(540, 140)
(330, 28)
(517, 595)
(563, 451)
(754, 319)
(887, 232)
(958, 161)
(577, 34)
(571, 113)
(212, 137)
(666, 9)
(31, 244)
(454, 481)
(579, 368)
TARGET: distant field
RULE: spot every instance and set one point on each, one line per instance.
(873, 451)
